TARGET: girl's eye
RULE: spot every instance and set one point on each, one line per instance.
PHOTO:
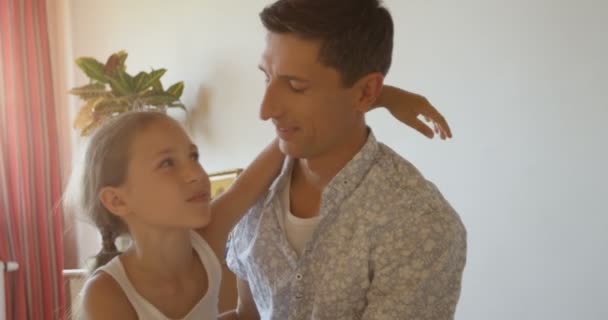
(167, 163)
(194, 156)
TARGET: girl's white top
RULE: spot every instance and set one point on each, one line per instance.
(205, 309)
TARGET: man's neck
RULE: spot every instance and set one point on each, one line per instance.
(320, 170)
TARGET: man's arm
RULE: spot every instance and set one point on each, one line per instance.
(417, 268)
(246, 309)
(407, 107)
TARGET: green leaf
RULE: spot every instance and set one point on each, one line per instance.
(122, 83)
(157, 99)
(92, 68)
(127, 80)
(115, 63)
(122, 57)
(139, 80)
(84, 116)
(91, 91)
(157, 87)
(176, 90)
(152, 79)
(111, 106)
(118, 88)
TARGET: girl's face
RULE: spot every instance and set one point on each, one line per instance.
(166, 186)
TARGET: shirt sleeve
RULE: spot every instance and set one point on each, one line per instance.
(417, 267)
(232, 253)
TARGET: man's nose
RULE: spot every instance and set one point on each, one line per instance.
(270, 107)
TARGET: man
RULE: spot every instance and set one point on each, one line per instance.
(349, 229)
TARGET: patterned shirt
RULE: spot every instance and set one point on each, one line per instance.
(388, 246)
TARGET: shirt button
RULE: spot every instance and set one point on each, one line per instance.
(299, 276)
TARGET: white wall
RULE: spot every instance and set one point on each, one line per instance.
(523, 84)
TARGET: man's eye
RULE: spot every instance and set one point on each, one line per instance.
(296, 86)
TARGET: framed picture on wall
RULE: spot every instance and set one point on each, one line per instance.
(220, 181)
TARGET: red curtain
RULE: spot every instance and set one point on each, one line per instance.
(30, 181)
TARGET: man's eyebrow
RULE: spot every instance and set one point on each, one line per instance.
(290, 77)
(285, 76)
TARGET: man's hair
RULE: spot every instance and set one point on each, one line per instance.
(356, 35)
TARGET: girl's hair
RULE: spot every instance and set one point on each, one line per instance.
(105, 163)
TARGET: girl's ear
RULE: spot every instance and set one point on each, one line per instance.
(113, 199)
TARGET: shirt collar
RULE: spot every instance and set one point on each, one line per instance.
(282, 178)
(352, 174)
(345, 181)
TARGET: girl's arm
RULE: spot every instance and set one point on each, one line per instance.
(407, 107)
(228, 208)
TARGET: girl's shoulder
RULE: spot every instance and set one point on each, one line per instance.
(215, 240)
(103, 298)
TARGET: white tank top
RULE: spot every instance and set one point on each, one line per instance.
(205, 309)
(298, 230)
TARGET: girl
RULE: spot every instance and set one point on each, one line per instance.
(142, 177)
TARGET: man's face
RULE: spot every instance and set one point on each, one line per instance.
(311, 109)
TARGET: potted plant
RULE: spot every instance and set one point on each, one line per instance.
(112, 91)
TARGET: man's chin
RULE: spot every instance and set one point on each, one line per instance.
(290, 149)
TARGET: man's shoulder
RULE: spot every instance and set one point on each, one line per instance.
(395, 175)
(402, 193)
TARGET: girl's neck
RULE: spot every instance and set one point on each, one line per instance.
(163, 255)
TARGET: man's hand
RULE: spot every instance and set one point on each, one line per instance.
(408, 107)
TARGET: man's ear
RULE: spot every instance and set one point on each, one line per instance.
(113, 199)
(368, 90)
